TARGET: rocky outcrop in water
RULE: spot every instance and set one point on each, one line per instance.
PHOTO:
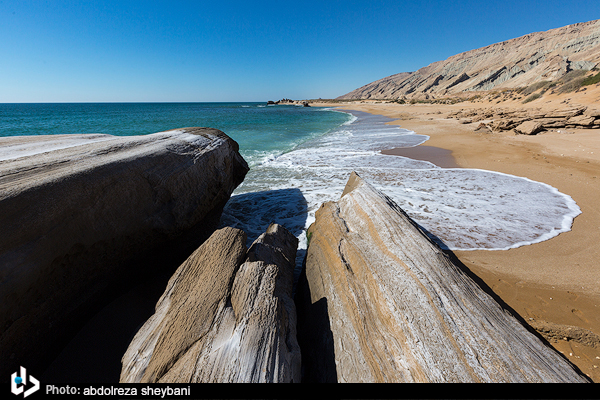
(83, 215)
(379, 301)
(284, 101)
(514, 63)
(226, 316)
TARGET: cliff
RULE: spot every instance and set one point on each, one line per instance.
(85, 215)
(520, 62)
(226, 316)
(380, 302)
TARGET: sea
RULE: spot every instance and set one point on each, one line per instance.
(301, 157)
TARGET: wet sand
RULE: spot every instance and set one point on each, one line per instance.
(554, 286)
(438, 156)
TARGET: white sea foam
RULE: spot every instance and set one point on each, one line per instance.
(463, 209)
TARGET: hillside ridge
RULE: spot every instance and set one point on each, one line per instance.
(514, 63)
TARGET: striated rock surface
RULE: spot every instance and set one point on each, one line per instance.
(226, 316)
(529, 128)
(84, 214)
(529, 122)
(381, 302)
(513, 63)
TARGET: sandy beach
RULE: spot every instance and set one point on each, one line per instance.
(554, 286)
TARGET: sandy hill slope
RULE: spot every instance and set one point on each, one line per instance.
(520, 62)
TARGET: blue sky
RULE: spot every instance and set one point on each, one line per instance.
(144, 50)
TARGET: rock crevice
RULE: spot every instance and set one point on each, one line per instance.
(227, 315)
(406, 312)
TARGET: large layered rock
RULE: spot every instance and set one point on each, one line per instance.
(383, 303)
(82, 214)
(530, 122)
(513, 63)
(529, 128)
(225, 316)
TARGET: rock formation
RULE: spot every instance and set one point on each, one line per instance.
(284, 101)
(83, 214)
(529, 128)
(529, 122)
(226, 316)
(381, 302)
(510, 64)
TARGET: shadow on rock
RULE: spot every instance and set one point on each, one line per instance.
(314, 336)
(254, 212)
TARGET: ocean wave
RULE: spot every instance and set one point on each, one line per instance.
(462, 209)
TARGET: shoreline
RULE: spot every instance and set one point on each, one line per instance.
(553, 285)
(453, 145)
(436, 155)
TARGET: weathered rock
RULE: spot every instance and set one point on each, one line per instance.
(535, 115)
(218, 321)
(592, 112)
(529, 128)
(391, 306)
(502, 125)
(483, 127)
(566, 113)
(552, 122)
(82, 215)
(582, 120)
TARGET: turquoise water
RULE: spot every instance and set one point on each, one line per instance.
(262, 131)
(300, 157)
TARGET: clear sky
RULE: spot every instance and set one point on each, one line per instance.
(252, 50)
